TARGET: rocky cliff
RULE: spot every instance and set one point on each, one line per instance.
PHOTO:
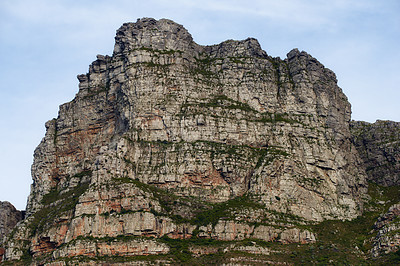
(387, 227)
(379, 147)
(9, 217)
(167, 140)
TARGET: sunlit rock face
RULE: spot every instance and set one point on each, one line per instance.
(165, 131)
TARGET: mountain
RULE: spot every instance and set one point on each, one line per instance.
(172, 152)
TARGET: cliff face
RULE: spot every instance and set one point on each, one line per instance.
(9, 217)
(379, 147)
(170, 138)
(387, 229)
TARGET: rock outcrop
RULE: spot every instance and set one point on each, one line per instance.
(388, 232)
(379, 147)
(9, 217)
(167, 139)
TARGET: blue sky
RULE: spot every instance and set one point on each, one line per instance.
(44, 44)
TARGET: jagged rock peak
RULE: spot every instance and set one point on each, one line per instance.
(312, 64)
(249, 47)
(163, 34)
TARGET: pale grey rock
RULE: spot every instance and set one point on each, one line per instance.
(254, 249)
(92, 248)
(388, 232)
(231, 230)
(266, 233)
(295, 235)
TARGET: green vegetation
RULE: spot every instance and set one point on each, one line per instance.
(348, 242)
(225, 210)
(276, 217)
(393, 258)
(168, 201)
(221, 101)
(244, 156)
(156, 51)
(205, 71)
(96, 90)
(204, 213)
(274, 118)
(56, 194)
(26, 256)
(57, 202)
(339, 242)
(152, 64)
(219, 106)
(179, 248)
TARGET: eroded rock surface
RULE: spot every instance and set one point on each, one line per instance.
(168, 138)
(388, 232)
(379, 147)
(9, 217)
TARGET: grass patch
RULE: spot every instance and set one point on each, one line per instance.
(218, 106)
(225, 210)
(156, 51)
(169, 202)
(57, 202)
(179, 248)
(348, 242)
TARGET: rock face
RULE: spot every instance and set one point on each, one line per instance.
(9, 217)
(388, 228)
(167, 138)
(379, 147)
